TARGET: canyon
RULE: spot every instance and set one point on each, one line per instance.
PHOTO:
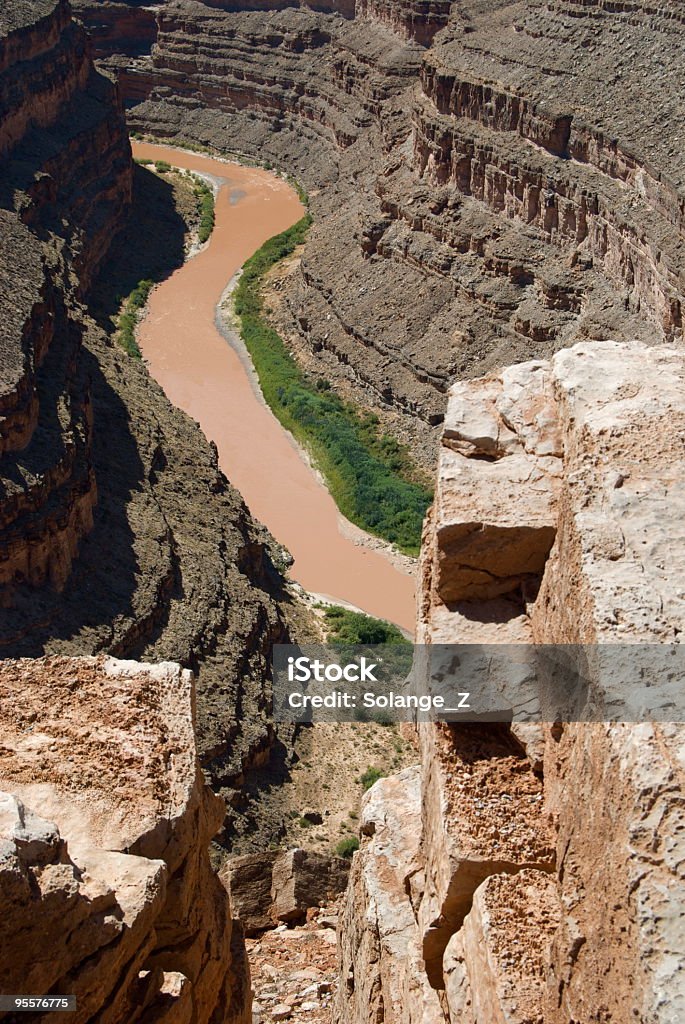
(495, 269)
(250, 208)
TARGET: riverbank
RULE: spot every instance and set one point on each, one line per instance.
(204, 376)
(368, 473)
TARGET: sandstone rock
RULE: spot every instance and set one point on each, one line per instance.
(622, 411)
(610, 576)
(482, 815)
(112, 872)
(249, 879)
(495, 966)
(302, 879)
(281, 886)
(380, 960)
(495, 504)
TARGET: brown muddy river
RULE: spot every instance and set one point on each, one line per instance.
(203, 374)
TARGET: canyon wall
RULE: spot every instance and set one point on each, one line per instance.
(106, 822)
(60, 121)
(476, 202)
(534, 873)
(118, 535)
(118, 532)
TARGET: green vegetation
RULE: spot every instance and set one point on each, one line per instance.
(162, 167)
(367, 472)
(346, 847)
(348, 627)
(205, 205)
(370, 776)
(128, 318)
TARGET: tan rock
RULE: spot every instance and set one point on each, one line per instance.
(380, 960)
(611, 943)
(494, 515)
(113, 870)
(303, 879)
(482, 814)
(248, 879)
(496, 965)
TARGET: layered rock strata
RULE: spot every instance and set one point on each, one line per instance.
(412, 19)
(483, 202)
(66, 184)
(547, 881)
(105, 822)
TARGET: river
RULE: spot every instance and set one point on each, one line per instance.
(203, 374)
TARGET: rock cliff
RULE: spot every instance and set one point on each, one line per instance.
(105, 823)
(535, 874)
(118, 533)
(502, 203)
(60, 119)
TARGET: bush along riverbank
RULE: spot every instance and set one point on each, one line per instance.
(128, 318)
(367, 472)
(205, 205)
(194, 189)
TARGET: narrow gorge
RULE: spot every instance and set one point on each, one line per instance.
(494, 278)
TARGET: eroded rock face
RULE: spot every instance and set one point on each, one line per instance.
(279, 886)
(478, 202)
(413, 19)
(544, 879)
(381, 975)
(105, 822)
(60, 119)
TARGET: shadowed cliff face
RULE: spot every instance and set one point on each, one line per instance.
(118, 533)
(60, 121)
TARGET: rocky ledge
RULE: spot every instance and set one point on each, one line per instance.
(105, 822)
(535, 873)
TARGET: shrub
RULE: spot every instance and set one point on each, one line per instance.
(346, 847)
(162, 167)
(370, 776)
(205, 207)
(367, 473)
(128, 318)
(348, 627)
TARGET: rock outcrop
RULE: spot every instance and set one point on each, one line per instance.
(279, 886)
(105, 822)
(545, 880)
